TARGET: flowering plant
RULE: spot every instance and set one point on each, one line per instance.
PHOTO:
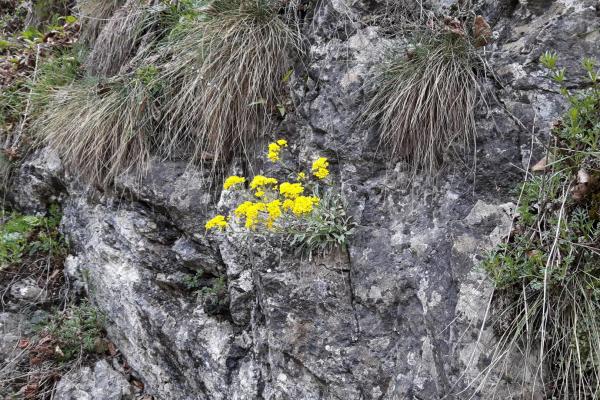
(293, 206)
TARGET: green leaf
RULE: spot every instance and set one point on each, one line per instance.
(70, 19)
(281, 109)
(31, 33)
(287, 75)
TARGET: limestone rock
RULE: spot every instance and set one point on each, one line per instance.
(100, 382)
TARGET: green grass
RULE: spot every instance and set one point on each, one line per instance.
(214, 81)
(77, 330)
(548, 271)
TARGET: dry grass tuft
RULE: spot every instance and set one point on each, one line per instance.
(101, 129)
(217, 76)
(423, 99)
(93, 15)
(226, 78)
(117, 43)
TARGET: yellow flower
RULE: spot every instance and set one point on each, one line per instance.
(218, 222)
(252, 214)
(274, 210)
(301, 176)
(273, 153)
(275, 149)
(242, 209)
(291, 190)
(288, 205)
(232, 181)
(260, 180)
(319, 168)
(259, 193)
(304, 204)
(250, 211)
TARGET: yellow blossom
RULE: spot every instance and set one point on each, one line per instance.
(304, 204)
(291, 190)
(251, 211)
(288, 205)
(274, 210)
(232, 181)
(319, 168)
(260, 180)
(252, 214)
(301, 176)
(259, 193)
(275, 149)
(218, 222)
(242, 208)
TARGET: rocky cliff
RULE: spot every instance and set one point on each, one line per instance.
(401, 314)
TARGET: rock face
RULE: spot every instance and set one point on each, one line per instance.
(101, 382)
(399, 316)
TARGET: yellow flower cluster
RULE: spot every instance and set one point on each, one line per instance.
(291, 190)
(233, 181)
(301, 204)
(218, 222)
(252, 213)
(259, 181)
(320, 168)
(274, 199)
(275, 149)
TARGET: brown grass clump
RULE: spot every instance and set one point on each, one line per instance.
(101, 129)
(203, 84)
(423, 100)
(118, 40)
(226, 78)
(93, 15)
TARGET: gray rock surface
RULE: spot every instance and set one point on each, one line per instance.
(399, 316)
(100, 382)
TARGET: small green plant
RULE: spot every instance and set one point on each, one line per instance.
(57, 71)
(549, 265)
(194, 282)
(328, 227)
(77, 330)
(423, 98)
(28, 235)
(313, 218)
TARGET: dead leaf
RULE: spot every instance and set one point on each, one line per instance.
(482, 31)
(583, 176)
(137, 384)
(541, 165)
(579, 191)
(112, 349)
(23, 343)
(31, 390)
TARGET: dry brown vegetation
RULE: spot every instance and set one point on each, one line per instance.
(203, 84)
(423, 98)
